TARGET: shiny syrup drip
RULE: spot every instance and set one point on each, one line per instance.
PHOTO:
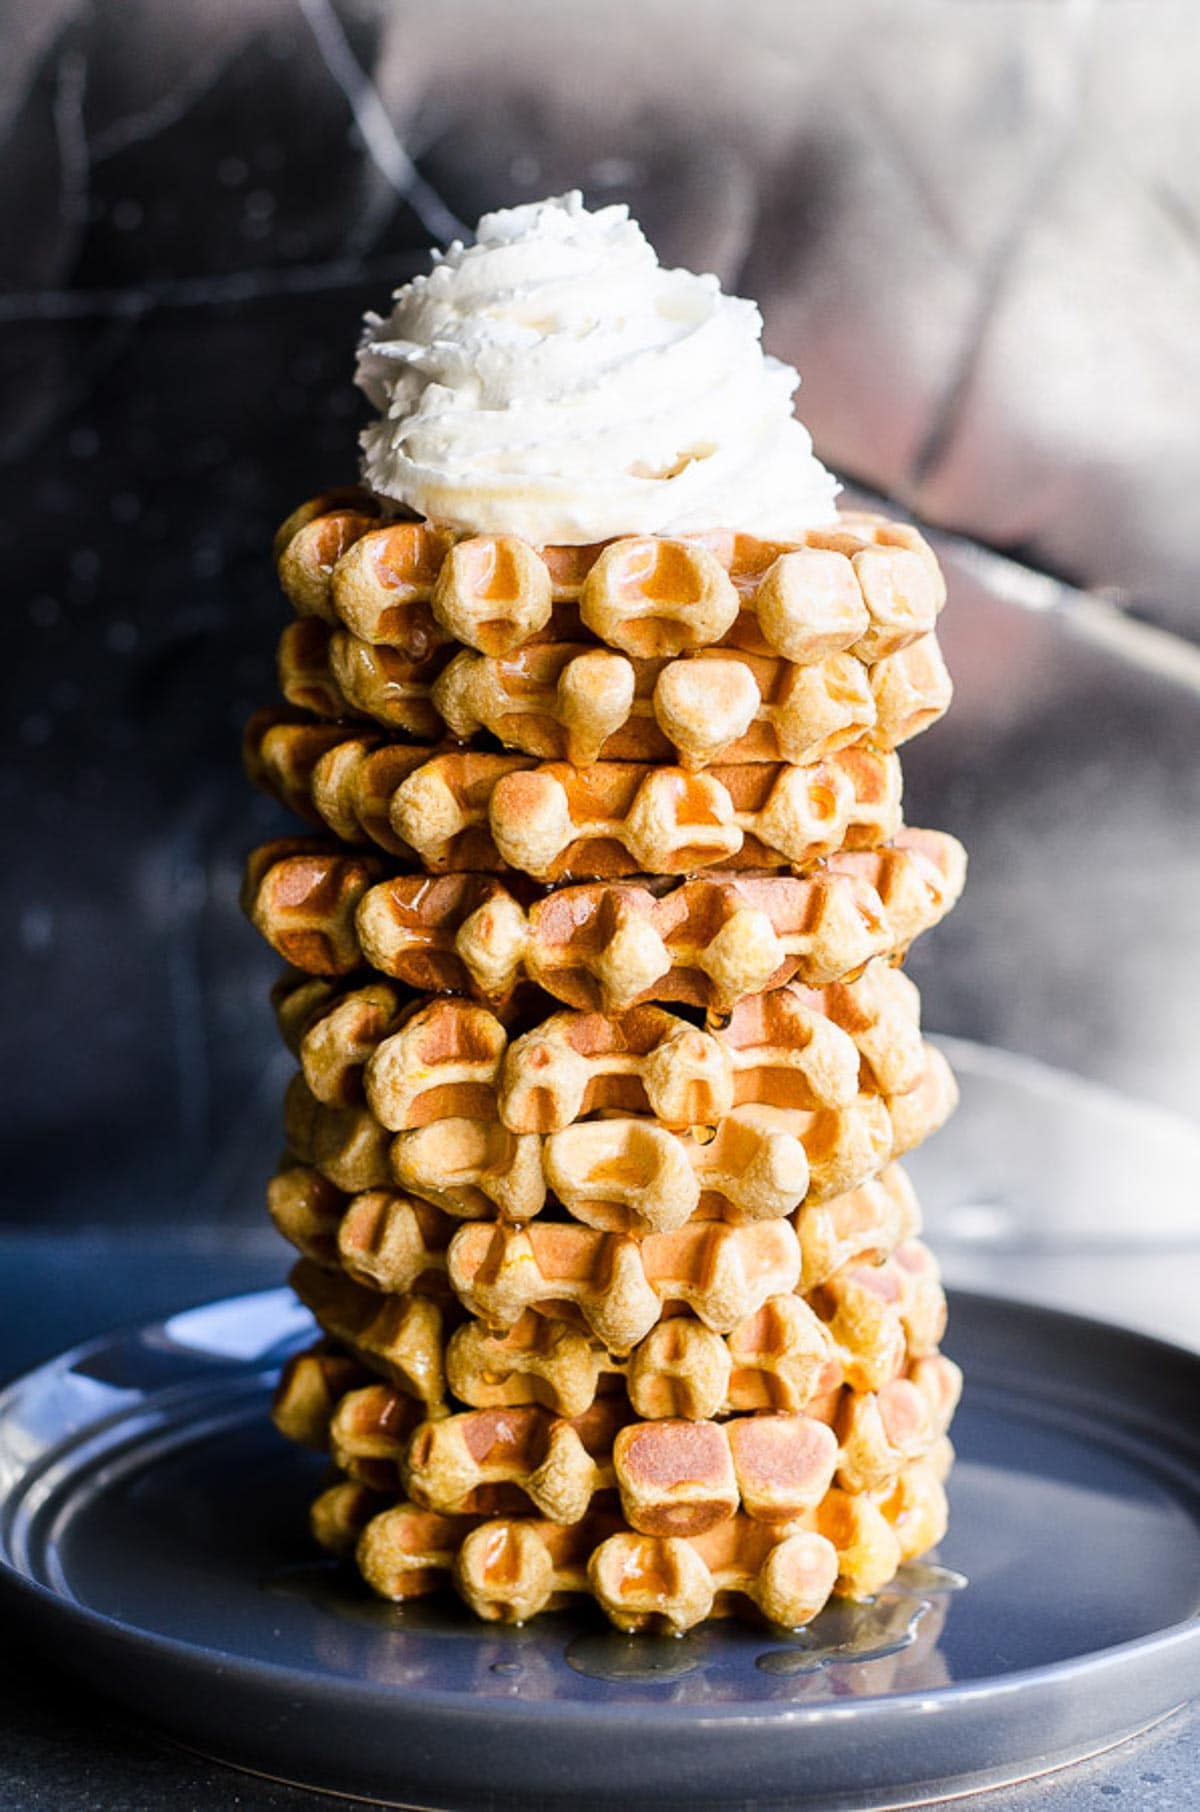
(906, 1615)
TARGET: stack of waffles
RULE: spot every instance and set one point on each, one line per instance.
(607, 1062)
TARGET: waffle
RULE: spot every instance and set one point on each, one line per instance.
(334, 674)
(564, 702)
(399, 1337)
(301, 896)
(781, 1357)
(510, 1568)
(346, 1145)
(393, 1243)
(625, 1173)
(541, 1359)
(682, 1477)
(707, 942)
(860, 1225)
(568, 701)
(880, 1432)
(653, 1582)
(710, 941)
(378, 1237)
(619, 1284)
(674, 1476)
(469, 811)
(339, 1515)
(865, 1328)
(333, 1031)
(280, 753)
(311, 1385)
(882, 1315)
(628, 1174)
(865, 585)
(309, 544)
(484, 1458)
(784, 1356)
(418, 1060)
(371, 1430)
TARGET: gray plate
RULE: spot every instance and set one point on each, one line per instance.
(153, 1538)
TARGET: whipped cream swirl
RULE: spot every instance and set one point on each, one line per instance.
(553, 381)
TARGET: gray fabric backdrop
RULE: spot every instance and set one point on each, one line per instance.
(971, 223)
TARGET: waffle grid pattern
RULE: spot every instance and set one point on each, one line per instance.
(606, 1059)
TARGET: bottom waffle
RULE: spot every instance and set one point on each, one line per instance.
(508, 1569)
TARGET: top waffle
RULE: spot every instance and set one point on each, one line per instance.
(866, 586)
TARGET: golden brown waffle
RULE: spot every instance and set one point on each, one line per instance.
(880, 1432)
(418, 1060)
(573, 702)
(876, 1316)
(279, 753)
(707, 941)
(641, 1581)
(370, 1431)
(310, 1387)
(333, 1030)
(340, 1514)
(778, 1358)
(510, 1568)
(784, 1356)
(335, 675)
(865, 585)
(712, 940)
(631, 1175)
(481, 1462)
(492, 1460)
(346, 1145)
(302, 894)
(379, 1237)
(781, 1357)
(569, 702)
(400, 1337)
(681, 1478)
(618, 1284)
(863, 1225)
(545, 1360)
(303, 671)
(648, 1060)
(311, 541)
(674, 1476)
(467, 810)
(625, 1173)
(670, 1582)
(879, 1314)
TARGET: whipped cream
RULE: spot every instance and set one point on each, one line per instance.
(553, 381)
